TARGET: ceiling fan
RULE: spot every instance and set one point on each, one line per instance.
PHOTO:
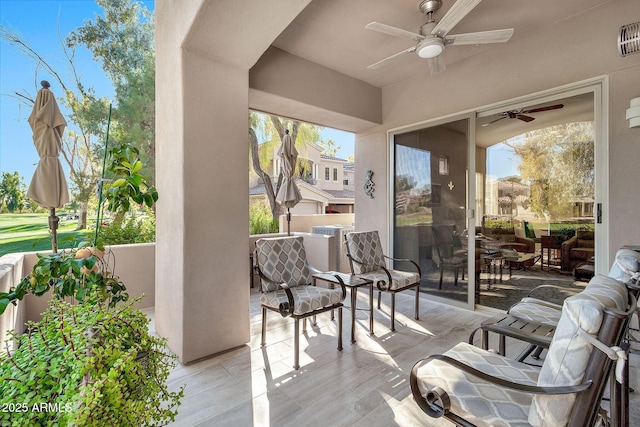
(521, 114)
(433, 35)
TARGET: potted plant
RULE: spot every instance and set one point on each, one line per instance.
(91, 359)
(86, 364)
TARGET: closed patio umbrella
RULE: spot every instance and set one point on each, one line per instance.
(48, 186)
(288, 193)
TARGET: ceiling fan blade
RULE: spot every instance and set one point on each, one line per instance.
(393, 31)
(551, 107)
(496, 120)
(436, 65)
(525, 118)
(391, 58)
(482, 37)
(459, 10)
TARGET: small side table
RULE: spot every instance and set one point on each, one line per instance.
(353, 283)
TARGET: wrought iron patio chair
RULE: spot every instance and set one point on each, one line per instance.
(450, 257)
(367, 260)
(534, 320)
(474, 387)
(285, 277)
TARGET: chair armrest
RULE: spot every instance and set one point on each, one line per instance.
(415, 264)
(531, 244)
(286, 309)
(437, 402)
(382, 286)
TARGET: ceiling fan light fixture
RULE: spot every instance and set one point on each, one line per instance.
(430, 48)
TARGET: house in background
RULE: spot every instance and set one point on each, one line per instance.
(322, 182)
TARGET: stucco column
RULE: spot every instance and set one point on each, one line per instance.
(202, 278)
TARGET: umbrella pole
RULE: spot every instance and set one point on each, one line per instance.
(288, 222)
(53, 225)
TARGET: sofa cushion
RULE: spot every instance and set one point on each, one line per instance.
(569, 352)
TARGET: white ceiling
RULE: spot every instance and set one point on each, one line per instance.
(331, 33)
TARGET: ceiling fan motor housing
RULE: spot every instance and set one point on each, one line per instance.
(430, 6)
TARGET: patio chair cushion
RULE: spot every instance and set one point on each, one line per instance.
(569, 352)
(482, 403)
(536, 312)
(283, 260)
(399, 279)
(306, 298)
(626, 265)
(365, 247)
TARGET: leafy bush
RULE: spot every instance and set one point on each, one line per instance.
(260, 220)
(140, 229)
(87, 365)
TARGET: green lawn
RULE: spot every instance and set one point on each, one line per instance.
(30, 232)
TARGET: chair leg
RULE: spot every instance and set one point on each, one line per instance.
(418, 301)
(393, 311)
(264, 327)
(304, 325)
(296, 346)
(379, 297)
(441, 271)
(340, 329)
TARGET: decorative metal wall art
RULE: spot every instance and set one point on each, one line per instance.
(368, 184)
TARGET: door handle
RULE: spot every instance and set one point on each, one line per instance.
(599, 213)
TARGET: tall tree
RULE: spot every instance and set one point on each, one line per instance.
(122, 41)
(329, 147)
(272, 129)
(12, 191)
(558, 165)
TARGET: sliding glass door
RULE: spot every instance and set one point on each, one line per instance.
(430, 199)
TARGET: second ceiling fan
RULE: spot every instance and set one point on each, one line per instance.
(522, 114)
(434, 36)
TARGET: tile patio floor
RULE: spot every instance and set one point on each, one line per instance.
(367, 384)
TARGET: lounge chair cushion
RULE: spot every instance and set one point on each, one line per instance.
(482, 403)
(626, 265)
(306, 298)
(283, 260)
(399, 279)
(536, 312)
(569, 352)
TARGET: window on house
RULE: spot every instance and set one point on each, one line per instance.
(345, 182)
(335, 174)
(326, 174)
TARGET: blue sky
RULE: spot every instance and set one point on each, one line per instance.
(40, 23)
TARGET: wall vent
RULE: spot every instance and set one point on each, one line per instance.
(629, 39)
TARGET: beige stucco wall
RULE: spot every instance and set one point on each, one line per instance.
(562, 53)
(202, 91)
(134, 264)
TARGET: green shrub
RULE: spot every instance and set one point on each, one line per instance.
(133, 229)
(87, 365)
(260, 220)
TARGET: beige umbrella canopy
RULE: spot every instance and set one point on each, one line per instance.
(288, 194)
(48, 186)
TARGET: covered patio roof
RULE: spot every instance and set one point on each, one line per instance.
(307, 60)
